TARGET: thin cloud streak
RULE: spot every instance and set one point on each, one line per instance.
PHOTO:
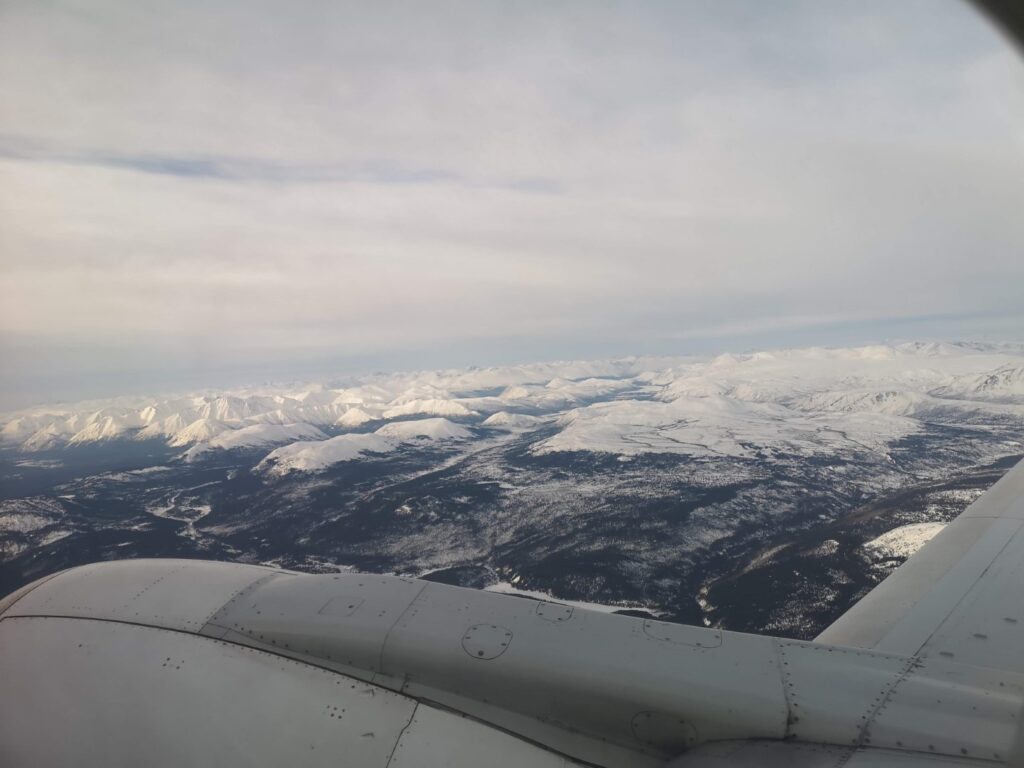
(255, 170)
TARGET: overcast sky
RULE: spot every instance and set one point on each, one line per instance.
(194, 192)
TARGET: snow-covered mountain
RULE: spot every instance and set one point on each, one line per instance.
(311, 455)
(1005, 384)
(704, 488)
(426, 429)
(255, 435)
(810, 402)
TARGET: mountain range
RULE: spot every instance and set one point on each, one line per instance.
(678, 487)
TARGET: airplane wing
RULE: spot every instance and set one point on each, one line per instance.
(186, 662)
(959, 600)
(960, 597)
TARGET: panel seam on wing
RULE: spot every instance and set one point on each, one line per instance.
(152, 584)
(785, 682)
(865, 732)
(387, 635)
(237, 594)
(401, 733)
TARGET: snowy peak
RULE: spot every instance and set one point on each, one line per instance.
(313, 456)
(433, 406)
(1005, 384)
(105, 425)
(200, 430)
(431, 429)
(511, 420)
(355, 417)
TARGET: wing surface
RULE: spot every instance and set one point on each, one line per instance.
(783, 754)
(961, 597)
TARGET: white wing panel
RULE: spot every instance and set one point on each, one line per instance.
(176, 594)
(986, 627)
(161, 698)
(103, 693)
(437, 739)
(779, 754)
(959, 598)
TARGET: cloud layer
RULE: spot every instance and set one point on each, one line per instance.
(253, 188)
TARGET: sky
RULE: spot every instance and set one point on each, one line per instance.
(201, 194)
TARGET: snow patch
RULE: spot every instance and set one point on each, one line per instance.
(904, 541)
(506, 588)
(434, 407)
